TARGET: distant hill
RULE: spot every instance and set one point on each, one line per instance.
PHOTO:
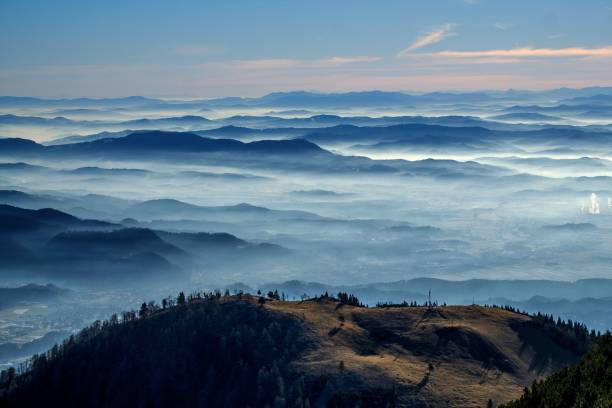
(189, 142)
(305, 155)
(404, 132)
(20, 101)
(201, 240)
(172, 121)
(175, 209)
(98, 171)
(17, 145)
(251, 126)
(162, 142)
(14, 351)
(33, 120)
(571, 227)
(89, 138)
(574, 109)
(21, 199)
(438, 136)
(111, 258)
(85, 206)
(318, 194)
(527, 116)
(15, 220)
(232, 351)
(21, 167)
(596, 313)
(30, 293)
(602, 99)
(302, 99)
(50, 244)
(119, 242)
(310, 99)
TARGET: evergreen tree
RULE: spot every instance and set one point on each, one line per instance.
(143, 310)
(180, 300)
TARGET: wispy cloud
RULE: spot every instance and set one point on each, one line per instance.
(529, 52)
(278, 63)
(503, 25)
(281, 63)
(431, 37)
(223, 78)
(350, 60)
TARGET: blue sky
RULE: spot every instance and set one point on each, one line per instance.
(217, 48)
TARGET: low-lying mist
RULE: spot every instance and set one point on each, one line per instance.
(342, 197)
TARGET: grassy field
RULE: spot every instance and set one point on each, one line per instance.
(449, 356)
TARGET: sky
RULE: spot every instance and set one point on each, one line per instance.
(209, 48)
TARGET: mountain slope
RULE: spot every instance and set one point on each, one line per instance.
(586, 384)
(120, 242)
(230, 351)
(451, 356)
(187, 356)
(15, 220)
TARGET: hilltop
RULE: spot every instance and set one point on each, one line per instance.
(448, 356)
(245, 351)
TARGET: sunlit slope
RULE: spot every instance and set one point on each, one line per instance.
(450, 356)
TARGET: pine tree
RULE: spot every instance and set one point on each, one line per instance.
(143, 310)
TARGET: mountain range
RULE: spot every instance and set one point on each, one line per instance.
(50, 244)
(312, 99)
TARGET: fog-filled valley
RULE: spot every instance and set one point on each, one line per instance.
(486, 197)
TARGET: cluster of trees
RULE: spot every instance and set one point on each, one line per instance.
(274, 295)
(508, 308)
(193, 351)
(569, 334)
(573, 335)
(342, 297)
(585, 384)
(409, 304)
(190, 350)
(349, 299)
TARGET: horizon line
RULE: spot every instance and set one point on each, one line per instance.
(319, 92)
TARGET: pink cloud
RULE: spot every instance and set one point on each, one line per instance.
(527, 52)
(275, 64)
(268, 63)
(350, 60)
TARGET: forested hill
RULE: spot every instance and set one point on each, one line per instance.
(209, 353)
(242, 351)
(586, 384)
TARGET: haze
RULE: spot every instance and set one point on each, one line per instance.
(455, 146)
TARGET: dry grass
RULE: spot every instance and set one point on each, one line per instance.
(454, 356)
